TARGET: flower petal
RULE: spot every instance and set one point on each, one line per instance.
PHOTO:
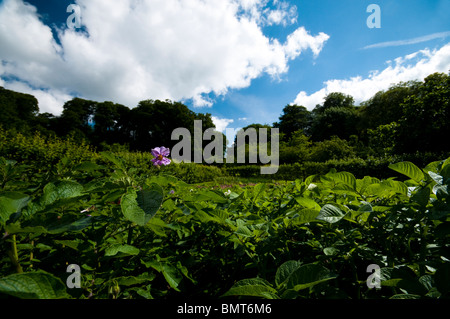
(164, 151)
(165, 161)
(156, 151)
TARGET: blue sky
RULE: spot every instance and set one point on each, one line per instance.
(240, 60)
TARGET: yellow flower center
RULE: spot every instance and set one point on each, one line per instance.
(160, 157)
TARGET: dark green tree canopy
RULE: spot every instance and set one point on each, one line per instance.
(425, 125)
(293, 118)
(17, 110)
(385, 106)
(335, 121)
(333, 100)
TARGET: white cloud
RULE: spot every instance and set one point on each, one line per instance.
(159, 49)
(429, 37)
(50, 102)
(221, 124)
(415, 66)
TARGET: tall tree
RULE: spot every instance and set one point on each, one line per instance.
(333, 100)
(293, 118)
(110, 123)
(18, 110)
(385, 106)
(153, 121)
(425, 125)
(77, 118)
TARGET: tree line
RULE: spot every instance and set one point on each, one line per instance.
(102, 124)
(409, 117)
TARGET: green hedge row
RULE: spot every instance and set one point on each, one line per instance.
(43, 153)
(371, 166)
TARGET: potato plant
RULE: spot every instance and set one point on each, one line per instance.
(159, 237)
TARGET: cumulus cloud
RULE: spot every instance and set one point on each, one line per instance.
(414, 66)
(161, 49)
(221, 124)
(53, 100)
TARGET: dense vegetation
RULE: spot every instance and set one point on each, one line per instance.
(80, 189)
(406, 122)
(137, 236)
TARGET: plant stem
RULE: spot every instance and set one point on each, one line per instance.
(423, 248)
(130, 235)
(14, 256)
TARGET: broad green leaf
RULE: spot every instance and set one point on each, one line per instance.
(207, 196)
(67, 189)
(345, 178)
(258, 190)
(408, 169)
(308, 275)
(122, 250)
(171, 275)
(55, 196)
(330, 251)
(305, 216)
(116, 160)
(11, 203)
(140, 206)
(206, 218)
(285, 270)
(72, 226)
(405, 296)
(15, 228)
(396, 186)
(330, 214)
(307, 202)
(69, 243)
(133, 280)
(217, 197)
(427, 281)
(362, 184)
(244, 231)
(33, 285)
(165, 180)
(88, 167)
(254, 287)
(158, 226)
(422, 196)
(365, 207)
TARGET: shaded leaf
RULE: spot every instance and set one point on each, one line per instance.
(122, 250)
(285, 270)
(254, 287)
(33, 285)
(308, 275)
(140, 206)
(11, 203)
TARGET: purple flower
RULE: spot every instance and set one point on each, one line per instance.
(160, 154)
